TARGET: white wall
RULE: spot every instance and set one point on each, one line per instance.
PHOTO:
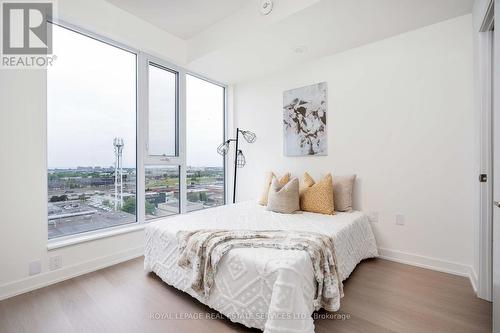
(23, 185)
(400, 116)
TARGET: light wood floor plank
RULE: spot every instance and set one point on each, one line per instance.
(380, 296)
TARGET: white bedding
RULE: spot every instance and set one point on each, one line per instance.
(269, 289)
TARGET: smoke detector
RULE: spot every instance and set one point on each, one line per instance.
(266, 7)
(299, 49)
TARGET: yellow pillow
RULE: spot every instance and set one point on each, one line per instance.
(317, 197)
(269, 178)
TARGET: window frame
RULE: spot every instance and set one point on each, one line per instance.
(143, 159)
(224, 127)
(145, 60)
(152, 158)
(97, 233)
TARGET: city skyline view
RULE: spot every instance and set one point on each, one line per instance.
(92, 140)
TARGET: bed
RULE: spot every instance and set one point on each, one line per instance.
(263, 288)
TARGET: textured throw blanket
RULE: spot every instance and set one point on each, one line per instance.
(202, 250)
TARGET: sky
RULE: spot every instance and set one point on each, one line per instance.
(91, 100)
(205, 122)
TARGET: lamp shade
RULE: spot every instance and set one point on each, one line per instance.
(250, 137)
(240, 159)
(223, 148)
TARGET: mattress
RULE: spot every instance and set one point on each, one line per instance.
(268, 289)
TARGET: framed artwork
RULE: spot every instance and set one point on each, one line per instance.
(304, 121)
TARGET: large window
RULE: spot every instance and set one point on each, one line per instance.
(205, 131)
(91, 122)
(162, 85)
(162, 191)
(131, 137)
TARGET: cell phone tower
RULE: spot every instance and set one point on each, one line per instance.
(118, 144)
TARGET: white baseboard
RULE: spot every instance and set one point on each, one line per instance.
(431, 263)
(44, 279)
(47, 278)
(473, 279)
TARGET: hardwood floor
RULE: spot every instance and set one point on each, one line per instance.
(380, 296)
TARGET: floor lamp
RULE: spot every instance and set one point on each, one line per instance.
(239, 158)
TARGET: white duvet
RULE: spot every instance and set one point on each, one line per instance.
(269, 289)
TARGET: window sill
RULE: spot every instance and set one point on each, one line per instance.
(60, 242)
(89, 236)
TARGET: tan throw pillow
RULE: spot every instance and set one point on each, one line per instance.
(283, 198)
(317, 197)
(269, 178)
(342, 192)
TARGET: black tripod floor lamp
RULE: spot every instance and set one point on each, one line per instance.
(239, 158)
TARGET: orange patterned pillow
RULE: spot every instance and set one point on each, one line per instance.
(269, 178)
(317, 197)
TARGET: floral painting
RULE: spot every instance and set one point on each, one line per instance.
(304, 120)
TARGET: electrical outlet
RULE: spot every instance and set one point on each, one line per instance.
(55, 262)
(35, 267)
(373, 217)
(400, 219)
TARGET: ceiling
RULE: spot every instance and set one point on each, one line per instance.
(182, 18)
(230, 41)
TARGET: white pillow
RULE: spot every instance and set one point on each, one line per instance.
(283, 198)
(342, 192)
